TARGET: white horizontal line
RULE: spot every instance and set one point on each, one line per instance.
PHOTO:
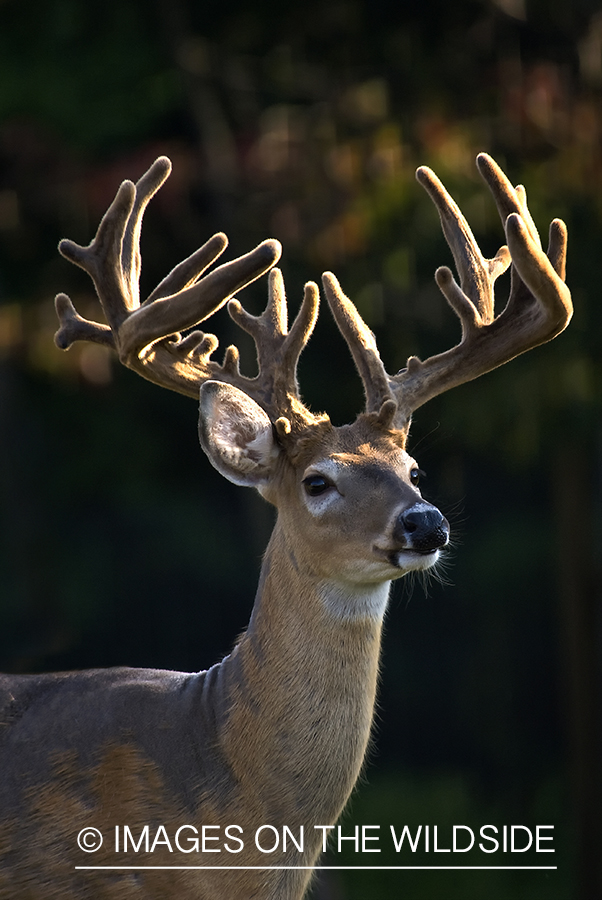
(312, 868)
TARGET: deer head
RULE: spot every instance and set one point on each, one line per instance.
(355, 481)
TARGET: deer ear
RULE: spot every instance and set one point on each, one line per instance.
(236, 434)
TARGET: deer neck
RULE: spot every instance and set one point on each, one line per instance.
(300, 688)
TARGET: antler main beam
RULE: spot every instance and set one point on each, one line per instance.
(538, 309)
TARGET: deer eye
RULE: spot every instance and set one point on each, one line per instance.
(415, 475)
(316, 484)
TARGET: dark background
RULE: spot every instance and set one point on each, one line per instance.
(305, 121)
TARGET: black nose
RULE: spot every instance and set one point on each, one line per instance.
(421, 528)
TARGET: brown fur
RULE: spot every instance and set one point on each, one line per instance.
(274, 735)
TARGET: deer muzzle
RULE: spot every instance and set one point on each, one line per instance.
(421, 529)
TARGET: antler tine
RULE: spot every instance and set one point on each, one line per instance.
(101, 259)
(146, 188)
(477, 274)
(75, 328)
(278, 351)
(190, 269)
(508, 199)
(361, 343)
(529, 262)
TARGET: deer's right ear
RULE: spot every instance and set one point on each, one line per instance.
(236, 434)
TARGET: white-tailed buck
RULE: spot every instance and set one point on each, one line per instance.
(172, 767)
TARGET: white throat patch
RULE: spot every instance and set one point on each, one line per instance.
(352, 603)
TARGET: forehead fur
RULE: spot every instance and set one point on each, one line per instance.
(323, 438)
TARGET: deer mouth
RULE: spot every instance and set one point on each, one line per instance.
(411, 560)
(398, 557)
(408, 557)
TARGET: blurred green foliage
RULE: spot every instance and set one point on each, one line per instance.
(119, 544)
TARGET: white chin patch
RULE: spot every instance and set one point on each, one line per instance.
(409, 561)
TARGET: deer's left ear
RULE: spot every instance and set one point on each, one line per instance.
(236, 434)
